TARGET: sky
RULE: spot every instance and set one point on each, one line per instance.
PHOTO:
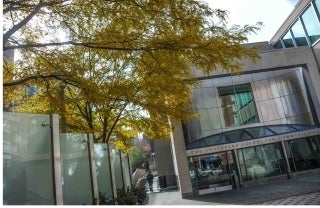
(272, 13)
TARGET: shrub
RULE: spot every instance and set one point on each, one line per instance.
(129, 196)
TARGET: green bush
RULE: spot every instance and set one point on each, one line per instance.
(129, 196)
(103, 200)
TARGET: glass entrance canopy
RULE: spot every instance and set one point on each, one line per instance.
(245, 134)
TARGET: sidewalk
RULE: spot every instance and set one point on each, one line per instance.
(301, 190)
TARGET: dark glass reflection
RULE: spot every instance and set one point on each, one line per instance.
(212, 173)
(260, 162)
(304, 154)
(238, 105)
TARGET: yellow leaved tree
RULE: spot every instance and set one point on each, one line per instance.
(115, 67)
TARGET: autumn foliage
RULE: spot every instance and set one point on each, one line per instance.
(123, 66)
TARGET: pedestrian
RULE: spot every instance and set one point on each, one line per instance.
(150, 181)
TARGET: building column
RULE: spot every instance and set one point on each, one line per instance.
(286, 160)
(56, 156)
(179, 154)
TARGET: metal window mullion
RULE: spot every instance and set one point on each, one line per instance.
(282, 43)
(305, 31)
(293, 38)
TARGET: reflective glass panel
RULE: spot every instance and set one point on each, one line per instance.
(317, 3)
(116, 161)
(312, 24)
(237, 135)
(299, 34)
(204, 97)
(103, 169)
(209, 119)
(238, 105)
(211, 173)
(281, 129)
(27, 160)
(304, 154)
(76, 177)
(259, 132)
(126, 169)
(216, 139)
(260, 162)
(287, 40)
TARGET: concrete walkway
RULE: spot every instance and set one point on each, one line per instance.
(296, 191)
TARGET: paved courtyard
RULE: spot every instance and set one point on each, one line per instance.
(297, 191)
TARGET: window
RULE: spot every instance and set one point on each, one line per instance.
(312, 24)
(287, 40)
(317, 3)
(238, 105)
(299, 34)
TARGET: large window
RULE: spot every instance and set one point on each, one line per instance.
(298, 33)
(304, 154)
(312, 24)
(260, 162)
(238, 105)
(287, 40)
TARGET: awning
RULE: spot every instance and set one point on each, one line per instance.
(246, 134)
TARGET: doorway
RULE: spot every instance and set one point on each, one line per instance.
(212, 173)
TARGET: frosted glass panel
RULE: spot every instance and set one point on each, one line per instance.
(27, 160)
(126, 169)
(210, 119)
(293, 105)
(271, 109)
(204, 98)
(291, 82)
(266, 89)
(103, 169)
(76, 183)
(116, 161)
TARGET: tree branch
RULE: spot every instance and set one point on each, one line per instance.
(23, 22)
(87, 45)
(34, 77)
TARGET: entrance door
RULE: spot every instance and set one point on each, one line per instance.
(212, 173)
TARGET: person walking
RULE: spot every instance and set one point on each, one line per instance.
(150, 181)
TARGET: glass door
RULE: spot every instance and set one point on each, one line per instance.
(212, 173)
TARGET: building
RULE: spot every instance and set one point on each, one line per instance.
(262, 125)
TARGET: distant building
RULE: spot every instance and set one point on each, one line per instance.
(262, 125)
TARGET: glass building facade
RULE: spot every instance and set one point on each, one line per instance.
(273, 97)
(247, 110)
(305, 31)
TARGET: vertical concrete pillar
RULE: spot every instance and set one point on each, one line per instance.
(286, 160)
(93, 173)
(179, 154)
(56, 156)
